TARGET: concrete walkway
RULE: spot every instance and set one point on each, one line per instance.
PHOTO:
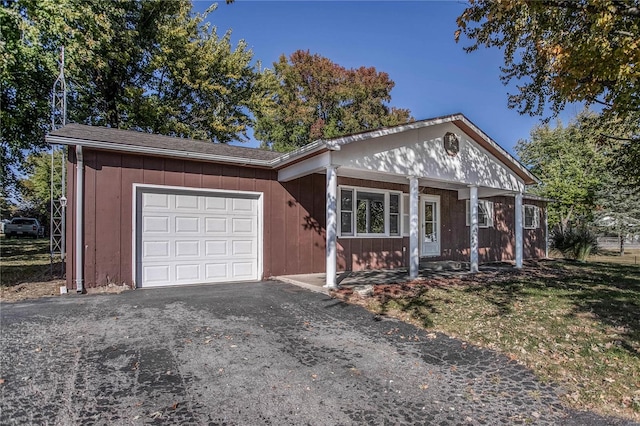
(315, 282)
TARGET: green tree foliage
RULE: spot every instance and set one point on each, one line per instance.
(618, 208)
(570, 164)
(562, 51)
(36, 187)
(315, 98)
(148, 65)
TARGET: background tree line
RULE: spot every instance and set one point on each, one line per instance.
(155, 66)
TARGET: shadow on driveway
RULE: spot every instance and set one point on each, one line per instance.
(265, 353)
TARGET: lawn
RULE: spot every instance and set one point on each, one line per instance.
(26, 271)
(577, 325)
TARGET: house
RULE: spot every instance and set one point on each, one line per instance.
(149, 210)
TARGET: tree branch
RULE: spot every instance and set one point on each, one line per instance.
(618, 138)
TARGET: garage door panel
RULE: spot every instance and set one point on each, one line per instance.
(186, 272)
(216, 204)
(156, 274)
(155, 201)
(216, 225)
(216, 248)
(186, 224)
(155, 224)
(187, 248)
(187, 202)
(243, 269)
(156, 249)
(243, 248)
(197, 238)
(216, 271)
(242, 225)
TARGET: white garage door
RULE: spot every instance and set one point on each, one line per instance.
(190, 238)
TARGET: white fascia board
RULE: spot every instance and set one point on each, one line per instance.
(108, 146)
(336, 143)
(464, 193)
(292, 156)
(305, 167)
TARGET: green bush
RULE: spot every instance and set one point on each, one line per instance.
(574, 243)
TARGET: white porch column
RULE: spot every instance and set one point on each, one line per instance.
(414, 250)
(473, 229)
(518, 224)
(332, 226)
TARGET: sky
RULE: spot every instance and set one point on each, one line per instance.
(411, 41)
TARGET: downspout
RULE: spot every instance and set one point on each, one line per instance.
(79, 220)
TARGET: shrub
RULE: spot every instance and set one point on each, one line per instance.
(574, 243)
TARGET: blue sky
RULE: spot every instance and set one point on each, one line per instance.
(411, 41)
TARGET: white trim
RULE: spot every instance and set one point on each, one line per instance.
(488, 207)
(414, 249)
(436, 199)
(331, 226)
(536, 216)
(354, 207)
(312, 148)
(258, 196)
(519, 214)
(474, 242)
(310, 165)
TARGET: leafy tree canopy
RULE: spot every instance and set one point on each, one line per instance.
(562, 51)
(315, 98)
(570, 164)
(149, 65)
(579, 170)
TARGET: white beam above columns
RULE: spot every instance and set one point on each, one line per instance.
(518, 225)
(305, 167)
(414, 250)
(473, 229)
(332, 226)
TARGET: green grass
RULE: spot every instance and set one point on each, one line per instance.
(574, 324)
(25, 260)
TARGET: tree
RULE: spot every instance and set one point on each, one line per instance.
(618, 208)
(147, 65)
(562, 51)
(36, 186)
(570, 163)
(315, 98)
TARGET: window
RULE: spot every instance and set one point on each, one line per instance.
(369, 212)
(531, 217)
(406, 219)
(485, 213)
(346, 212)
(394, 214)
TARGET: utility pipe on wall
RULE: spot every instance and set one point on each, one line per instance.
(79, 220)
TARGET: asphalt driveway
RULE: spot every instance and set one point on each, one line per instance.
(267, 353)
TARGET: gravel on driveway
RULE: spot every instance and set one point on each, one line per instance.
(248, 354)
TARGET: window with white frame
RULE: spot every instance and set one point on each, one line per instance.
(369, 212)
(531, 217)
(485, 213)
(406, 220)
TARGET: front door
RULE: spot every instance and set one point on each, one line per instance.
(430, 206)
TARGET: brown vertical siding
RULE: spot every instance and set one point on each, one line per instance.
(293, 234)
(294, 218)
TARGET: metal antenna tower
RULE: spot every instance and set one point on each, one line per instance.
(57, 227)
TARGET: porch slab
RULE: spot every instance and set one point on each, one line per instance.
(316, 282)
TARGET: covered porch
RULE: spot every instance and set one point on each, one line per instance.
(386, 193)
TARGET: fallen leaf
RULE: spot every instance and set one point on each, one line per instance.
(174, 406)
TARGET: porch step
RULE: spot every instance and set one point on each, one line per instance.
(442, 265)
